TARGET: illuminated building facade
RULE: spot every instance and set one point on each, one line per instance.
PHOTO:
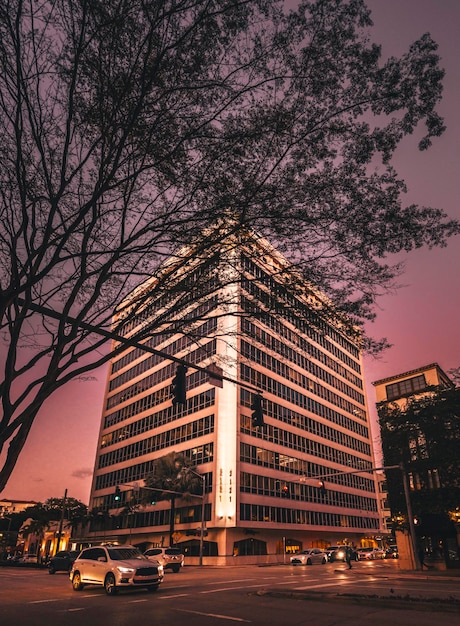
(269, 332)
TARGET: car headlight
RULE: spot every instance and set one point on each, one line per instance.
(340, 554)
(160, 569)
(125, 570)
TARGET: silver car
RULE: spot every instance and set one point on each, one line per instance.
(308, 557)
(170, 558)
(114, 567)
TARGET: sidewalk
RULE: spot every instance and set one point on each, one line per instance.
(387, 594)
(425, 574)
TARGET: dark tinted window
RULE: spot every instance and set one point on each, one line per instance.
(92, 554)
(120, 554)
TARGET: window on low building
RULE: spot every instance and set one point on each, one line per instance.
(406, 387)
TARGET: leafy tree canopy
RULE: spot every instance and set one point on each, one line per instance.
(131, 127)
(425, 435)
(50, 510)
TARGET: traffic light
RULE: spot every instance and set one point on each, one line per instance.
(257, 412)
(179, 385)
(322, 488)
(285, 491)
(117, 495)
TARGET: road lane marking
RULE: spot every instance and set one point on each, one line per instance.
(340, 584)
(228, 617)
(42, 601)
(223, 582)
(231, 588)
(177, 595)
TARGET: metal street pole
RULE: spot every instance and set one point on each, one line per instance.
(410, 517)
(203, 489)
(61, 523)
(202, 477)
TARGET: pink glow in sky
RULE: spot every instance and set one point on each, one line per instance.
(420, 320)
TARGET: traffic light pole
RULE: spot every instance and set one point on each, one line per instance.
(129, 341)
(410, 517)
(202, 477)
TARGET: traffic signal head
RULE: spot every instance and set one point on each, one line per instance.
(179, 385)
(117, 494)
(285, 491)
(257, 412)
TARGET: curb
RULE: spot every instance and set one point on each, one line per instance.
(448, 605)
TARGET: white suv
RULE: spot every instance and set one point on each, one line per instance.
(114, 567)
(170, 558)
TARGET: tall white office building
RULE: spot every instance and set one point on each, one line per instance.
(241, 308)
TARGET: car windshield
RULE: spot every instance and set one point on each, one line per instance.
(173, 551)
(122, 554)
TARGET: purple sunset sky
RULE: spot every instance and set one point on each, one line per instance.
(420, 320)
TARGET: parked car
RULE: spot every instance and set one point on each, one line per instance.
(337, 553)
(370, 554)
(62, 561)
(28, 558)
(392, 552)
(379, 553)
(308, 557)
(365, 554)
(170, 558)
(115, 567)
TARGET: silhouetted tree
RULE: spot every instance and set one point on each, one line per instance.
(425, 436)
(128, 128)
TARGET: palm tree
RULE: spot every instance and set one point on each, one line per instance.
(170, 480)
(36, 527)
(98, 520)
(78, 519)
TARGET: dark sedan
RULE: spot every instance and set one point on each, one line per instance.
(62, 561)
